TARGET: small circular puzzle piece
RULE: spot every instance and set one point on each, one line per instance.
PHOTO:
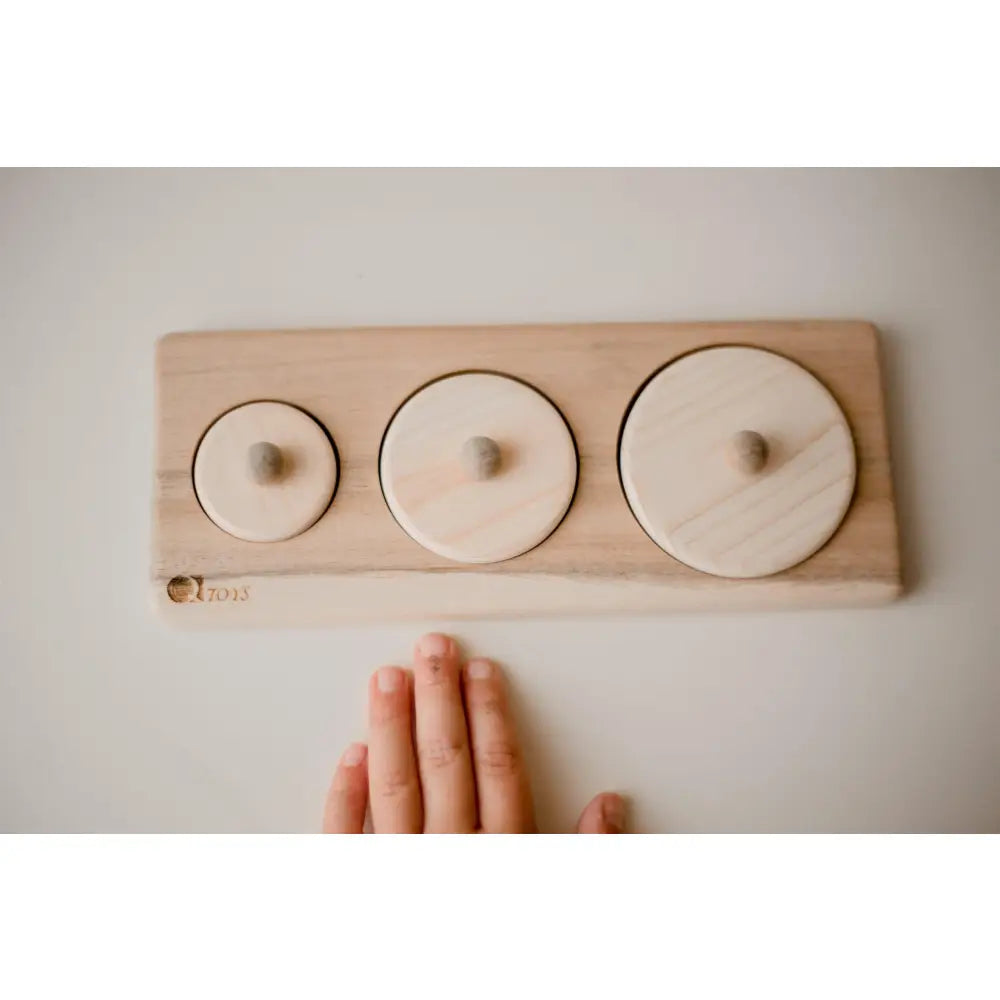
(737, 461)
(478, 467)
(265, 472)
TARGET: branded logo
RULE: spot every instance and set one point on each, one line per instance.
(190, 589)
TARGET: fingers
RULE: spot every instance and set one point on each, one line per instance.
(501, 780)
(393, 785)
(605, 813)
(442, 739)
(348, 796)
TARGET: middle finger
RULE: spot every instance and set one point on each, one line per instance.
(442, 738)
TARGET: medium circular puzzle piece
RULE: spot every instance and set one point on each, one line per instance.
(478, 467)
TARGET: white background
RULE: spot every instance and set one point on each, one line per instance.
(873, 720)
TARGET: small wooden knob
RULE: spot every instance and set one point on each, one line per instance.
(480, 458)
(748, 452)
(265, 462)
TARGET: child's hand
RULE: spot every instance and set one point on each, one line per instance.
(442, 755)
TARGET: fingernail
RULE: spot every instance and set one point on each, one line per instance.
(479, 670)
(389, 679)
(354, 755)
(434, 644)
(613, 813)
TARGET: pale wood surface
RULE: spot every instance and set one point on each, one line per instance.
(279, 504)
(769, 510)
(478, 518)
(356, 563)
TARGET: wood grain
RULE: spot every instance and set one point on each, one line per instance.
(357, 564)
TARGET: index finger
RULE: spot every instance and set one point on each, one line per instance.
(393, 785)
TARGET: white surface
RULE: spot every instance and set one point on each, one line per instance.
(696, 503)
(469, 520)
(874, 720)
(271, 511)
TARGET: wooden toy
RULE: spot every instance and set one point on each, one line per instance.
(325, 476)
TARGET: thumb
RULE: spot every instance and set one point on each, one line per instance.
(605, 813)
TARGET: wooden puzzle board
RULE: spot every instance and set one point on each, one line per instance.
(357, 564)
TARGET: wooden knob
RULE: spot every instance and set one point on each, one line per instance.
(265, 462)
(748, 452)
(480, 458)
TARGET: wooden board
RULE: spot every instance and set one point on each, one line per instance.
(357, 564)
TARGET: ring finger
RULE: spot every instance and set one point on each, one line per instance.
(501, 779)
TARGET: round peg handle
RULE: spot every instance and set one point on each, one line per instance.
(265, 462)
(480, 458)
(747, 452)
